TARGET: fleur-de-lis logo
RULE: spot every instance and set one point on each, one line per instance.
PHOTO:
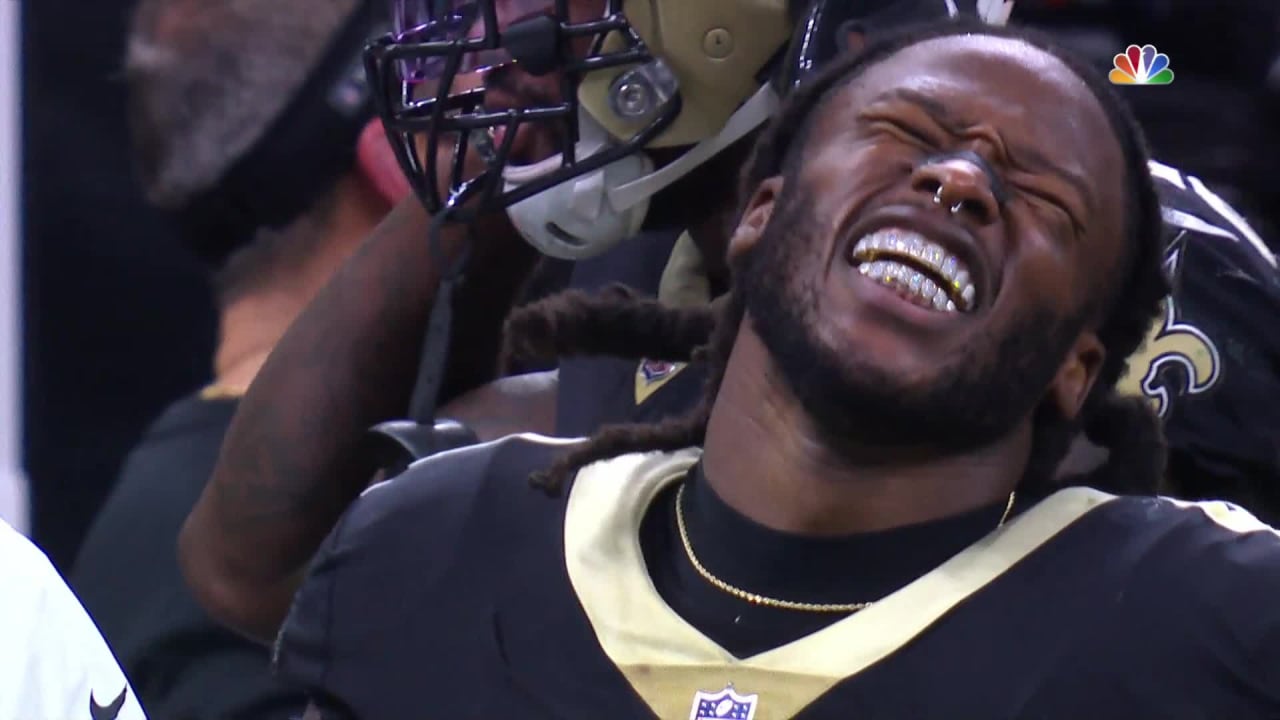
(1175, 358)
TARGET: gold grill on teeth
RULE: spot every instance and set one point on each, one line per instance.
(907, 260)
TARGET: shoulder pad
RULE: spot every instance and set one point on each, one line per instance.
(397, 444)
(1188, 206)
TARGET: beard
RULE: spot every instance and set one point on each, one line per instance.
(975, 397)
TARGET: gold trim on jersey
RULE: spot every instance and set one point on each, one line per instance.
(684, 284)
(684, 280)
(667, 661)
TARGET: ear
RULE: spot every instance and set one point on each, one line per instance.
(755, 217)
(377, 165)
(1077, 374)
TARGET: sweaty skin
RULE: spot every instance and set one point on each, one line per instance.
(291, 461)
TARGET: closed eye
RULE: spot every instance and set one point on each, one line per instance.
(904, 132)
(1053, 202)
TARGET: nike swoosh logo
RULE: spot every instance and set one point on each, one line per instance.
(107, 712)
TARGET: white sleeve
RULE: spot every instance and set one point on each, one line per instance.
(54, 664)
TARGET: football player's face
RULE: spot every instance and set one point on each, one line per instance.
(940, 296)
(508, 86)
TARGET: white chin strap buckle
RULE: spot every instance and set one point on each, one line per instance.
(576, 219)
(588, 215)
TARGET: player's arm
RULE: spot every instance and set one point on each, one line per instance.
(292, 460)
(507, 406)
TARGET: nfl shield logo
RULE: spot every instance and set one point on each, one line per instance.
(724, 704)
(655, 370)
(653, 374)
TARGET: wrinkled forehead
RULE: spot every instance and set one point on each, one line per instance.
(1005, 83)
(1028, 97)
(1038, 107)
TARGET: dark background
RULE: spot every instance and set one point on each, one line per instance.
(118, 321)
(117, 318)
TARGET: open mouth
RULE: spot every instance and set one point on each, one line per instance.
(918, 269)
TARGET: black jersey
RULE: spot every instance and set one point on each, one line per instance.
(457, 591)
(595, 391)
(1210, 365)
(181, 662)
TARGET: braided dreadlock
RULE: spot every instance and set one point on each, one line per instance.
(615, 321)
(1123, 426)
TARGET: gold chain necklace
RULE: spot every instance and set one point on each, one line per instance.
(757, 599)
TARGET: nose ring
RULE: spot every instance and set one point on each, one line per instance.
(937, 200)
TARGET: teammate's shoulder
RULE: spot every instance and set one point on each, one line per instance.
(1192, 211)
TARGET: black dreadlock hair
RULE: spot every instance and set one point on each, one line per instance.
(606, 322)
(617, 323)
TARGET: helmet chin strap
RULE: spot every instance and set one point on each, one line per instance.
(755, 112)
(575, 219)
(586, 216)
(435, 342)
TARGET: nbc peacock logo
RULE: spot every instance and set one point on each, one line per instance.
(1141, 66)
